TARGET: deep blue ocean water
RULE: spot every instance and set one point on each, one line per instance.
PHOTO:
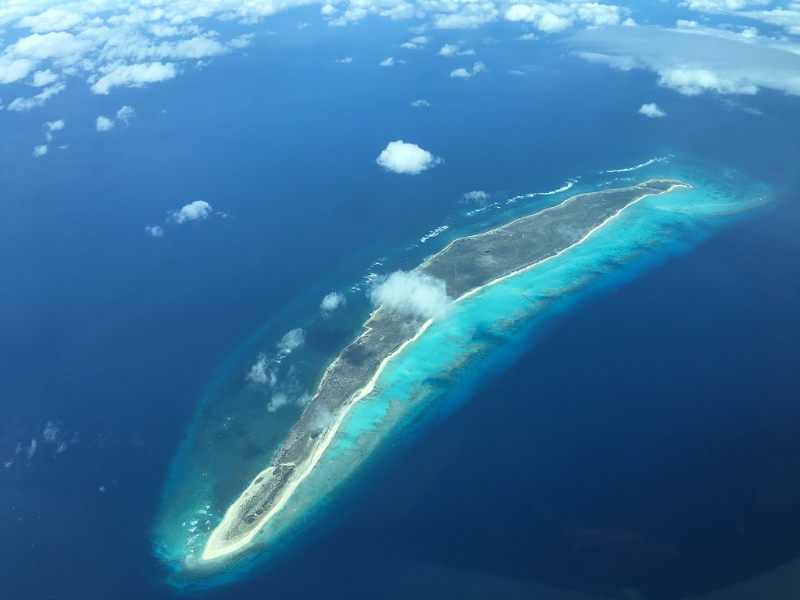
(655, 426)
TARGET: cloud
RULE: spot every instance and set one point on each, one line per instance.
(50, 433)
(696, 60)
(406, 158)
(241, 42)
(468, 15)
(111, 43)
(693, 82)
(652, 110)
(52, 126)
(462, 73)
(25, 104)
(786, 16)
(55, 125)
(155, 230)
(344, 61)
(125, 114)
(136, 75)
(421, 104)
(476, 196)
(60, 45)
(199, 209)
(278, 400)
(40, 151)
(44, 78)
(454, 50)
(554, 17)
(332, 301)
(52, 19)
(263, 372)
(13, 69)
(292, 341)
(104, 123)
(415, 43)
(322, 419)
(387, 62)
(32, 449)
(411, 293)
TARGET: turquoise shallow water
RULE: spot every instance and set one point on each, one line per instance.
(481, 335)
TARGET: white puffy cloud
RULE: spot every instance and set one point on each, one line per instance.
(476, 196)
(197, 210)
(411, 293)
(387, 62)
(103, 123)
(136, 75)
(344, 61)
(406, 158)
(24, 104)
(292, 341)
(466, 15)
(332, 301)
(463, 73)
(125, 114)
(57, 44)
(39, 151)
(652, 110)
(43, 78)
(51, 127)
(421, 104)
(55, 125)
(454, 50)
(696, 60)
(554, 17)
(116, 43)
(53, 19)
(694, 81)
(154, 230)
(415, 43)
(241, 42)
(13, 69)
(722, 5)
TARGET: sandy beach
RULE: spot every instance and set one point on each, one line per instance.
(216, 547)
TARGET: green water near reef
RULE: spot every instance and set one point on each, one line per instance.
(476, 339)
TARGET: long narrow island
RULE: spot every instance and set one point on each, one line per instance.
(465, 266)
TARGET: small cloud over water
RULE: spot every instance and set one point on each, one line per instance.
(652, 110)
(406, 158)
(411, 293)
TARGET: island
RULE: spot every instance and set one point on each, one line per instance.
(466, 265)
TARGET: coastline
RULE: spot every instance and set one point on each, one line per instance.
(319, 450)
(214, 550)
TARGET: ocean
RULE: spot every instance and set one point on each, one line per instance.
(645, 441)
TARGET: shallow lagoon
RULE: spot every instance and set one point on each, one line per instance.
(480, 336)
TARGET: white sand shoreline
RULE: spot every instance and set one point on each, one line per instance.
(213, 551)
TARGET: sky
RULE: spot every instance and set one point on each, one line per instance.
(731, 47)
